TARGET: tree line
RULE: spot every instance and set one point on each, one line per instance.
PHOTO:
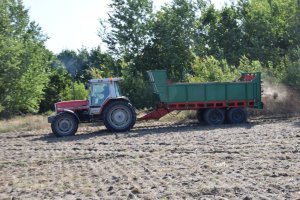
(191, 39)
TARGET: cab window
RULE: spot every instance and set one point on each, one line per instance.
(99, 92)
(117, 89)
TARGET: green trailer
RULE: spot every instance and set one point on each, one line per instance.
(214, 101)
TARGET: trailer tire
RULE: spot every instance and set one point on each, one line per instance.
(64, 125)
(119, 116)
(200, 115)
(214, 116)
(237, 115)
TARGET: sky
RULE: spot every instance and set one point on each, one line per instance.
(73, 24)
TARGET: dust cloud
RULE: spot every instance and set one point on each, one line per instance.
(279, 99)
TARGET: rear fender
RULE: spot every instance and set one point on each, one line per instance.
(117, 99)
(106, 103)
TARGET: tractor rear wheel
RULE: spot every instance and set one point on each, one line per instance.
(214, 116)
(119, 116)
(64, 124)
(237, 115)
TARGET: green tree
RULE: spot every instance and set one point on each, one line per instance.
(270, 28)
(79, 93)
(292, 75)
(211, 69)
(173, 39)
(59, 81)
(80, 63)
(192, 39)
(24, 60)
(73, 62)
(126, 30)
(222, 34)
(143, 40)
(103, 62)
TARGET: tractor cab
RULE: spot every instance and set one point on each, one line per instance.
(101, 91)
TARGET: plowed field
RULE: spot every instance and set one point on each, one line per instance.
(259, 159)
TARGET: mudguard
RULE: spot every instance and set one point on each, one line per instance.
(110, 100)
(51, 118)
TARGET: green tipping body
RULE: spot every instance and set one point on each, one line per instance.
(205, 92)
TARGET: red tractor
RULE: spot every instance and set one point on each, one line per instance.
(105, 103)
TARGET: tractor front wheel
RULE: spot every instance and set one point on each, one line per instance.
(119, 116)
(64, 124)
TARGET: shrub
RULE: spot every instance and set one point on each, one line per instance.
(210, 69)
(79, 93)
(138, 91)
(292, 77)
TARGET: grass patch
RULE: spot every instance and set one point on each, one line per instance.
(24, 123)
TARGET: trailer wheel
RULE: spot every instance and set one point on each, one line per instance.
(214, 116)
(200, 116)
(64, 125)
(237, 115)
(119, 116)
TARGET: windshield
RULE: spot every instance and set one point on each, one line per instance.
(99, 92)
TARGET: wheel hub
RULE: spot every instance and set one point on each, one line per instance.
(64, 125)
(237, 115)
(215, 117)
(119, 117)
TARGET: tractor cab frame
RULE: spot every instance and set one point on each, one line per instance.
(101, 91)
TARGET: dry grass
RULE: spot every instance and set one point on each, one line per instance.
(179, 116)
(24, 123)
(175, 116)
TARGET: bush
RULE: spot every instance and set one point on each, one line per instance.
(210, 69)
(292, 77)
(59, 81)
(138, 91)
(80, 93)
(24, 61)
(247, 65)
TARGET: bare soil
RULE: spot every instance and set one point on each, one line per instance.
(157, 160)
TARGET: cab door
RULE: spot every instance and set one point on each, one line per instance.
(99, 92)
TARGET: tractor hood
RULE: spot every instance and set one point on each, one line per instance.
(72, 105)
